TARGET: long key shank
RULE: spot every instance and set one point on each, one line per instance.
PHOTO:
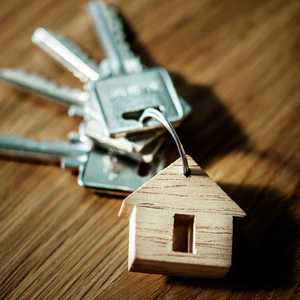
(67, 53)
(109, 29)
(18, 146)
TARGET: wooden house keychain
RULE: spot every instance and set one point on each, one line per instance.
(180, 221)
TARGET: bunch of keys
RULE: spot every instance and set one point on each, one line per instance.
(112, 141)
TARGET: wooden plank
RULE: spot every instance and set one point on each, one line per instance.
(237, 62)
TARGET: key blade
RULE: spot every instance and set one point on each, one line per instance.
(13, 145)
(66, 53)
(99, 14)
(140, 149)
(107, 173)
(109, 29)
(44, 87)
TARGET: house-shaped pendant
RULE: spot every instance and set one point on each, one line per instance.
(180, 225)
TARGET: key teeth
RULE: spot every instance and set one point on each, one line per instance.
(102, 13)
(78, 161)
(73, 162)
(42, 85)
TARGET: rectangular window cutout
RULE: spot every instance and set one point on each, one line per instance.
(183, 233)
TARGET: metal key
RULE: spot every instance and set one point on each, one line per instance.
(86, 103)
(73, 58)
(114, 96)
(98, 170)
(12, 145)
(109, 29)
(66, 53)
(77, 102)
(44, 87)
(130, 89)
(138, 149)
(54, 45)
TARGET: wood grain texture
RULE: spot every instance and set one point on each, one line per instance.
(155, 207)
(170, 189)
(151, 239)
(238, 64)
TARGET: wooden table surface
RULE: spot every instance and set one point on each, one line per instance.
(238, 64)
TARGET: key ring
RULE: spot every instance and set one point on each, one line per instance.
(156, 114)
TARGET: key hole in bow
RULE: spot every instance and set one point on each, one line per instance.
(135, 115)
(144, 169)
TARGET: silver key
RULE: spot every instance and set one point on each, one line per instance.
(77, 102)
(112, 174)
(118, 94)
(98, 170)
(18, 146)
(129, 90)
(42, 86)
(88, 112)
(74, 59)
(117, 99)
(138, 149)
(113, 99)
(66, 53)
(109, 29)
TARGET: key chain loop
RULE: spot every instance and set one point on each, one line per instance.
(156, 114)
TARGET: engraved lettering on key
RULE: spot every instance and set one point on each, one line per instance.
(130, 92)
(128, 89)
(118, 88)
(115, 94)
(97, 169)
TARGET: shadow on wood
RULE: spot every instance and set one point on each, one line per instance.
(211, 130)
(201, 131)
(265, 243)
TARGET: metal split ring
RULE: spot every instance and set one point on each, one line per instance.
(156, 114)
